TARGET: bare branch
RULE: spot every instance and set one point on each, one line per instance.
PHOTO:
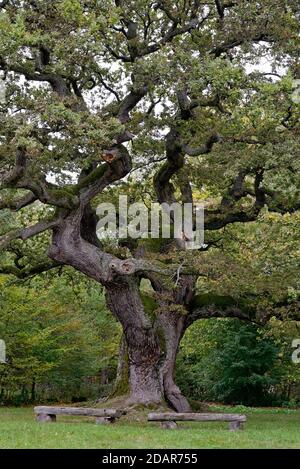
(18, 204)
(129, 103)
(29, 271)
(206, 148)
(57, 83)
(119, 166)
(220, 9)
(42, 190)
(110, 89)
(212, 311)
(227, 214)
(26, 233)
(137, 51)
(235, 42)
(9, 178)
(227, 307)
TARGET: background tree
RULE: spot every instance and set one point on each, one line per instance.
(237, 367)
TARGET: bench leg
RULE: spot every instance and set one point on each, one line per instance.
(169, 425)
(104, 420)
(236, 425)
(46, 418)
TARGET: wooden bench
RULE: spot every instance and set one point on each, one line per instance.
(169, 419)
(48, 414)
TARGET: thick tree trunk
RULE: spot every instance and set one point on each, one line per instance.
(170, 392)
(147, 354)
(173, 326)
(144, 352)
(172, 323)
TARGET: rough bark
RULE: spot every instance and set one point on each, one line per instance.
(143, 348)
(121, 386)
(172, 323)
(173, 326)
(170, 328)
(147, 356)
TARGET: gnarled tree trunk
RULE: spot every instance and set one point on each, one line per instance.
(144, 353)
(173, 326)
(148, 350)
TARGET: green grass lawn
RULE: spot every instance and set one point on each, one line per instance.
(264, 429)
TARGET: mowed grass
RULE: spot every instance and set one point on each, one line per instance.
(264, 429)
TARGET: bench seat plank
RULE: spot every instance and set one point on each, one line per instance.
(196, 417)
(86, 411)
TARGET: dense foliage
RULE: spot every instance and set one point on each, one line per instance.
(58, 346)
(231, 362)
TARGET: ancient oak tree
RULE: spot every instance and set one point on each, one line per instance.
(197, 99)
